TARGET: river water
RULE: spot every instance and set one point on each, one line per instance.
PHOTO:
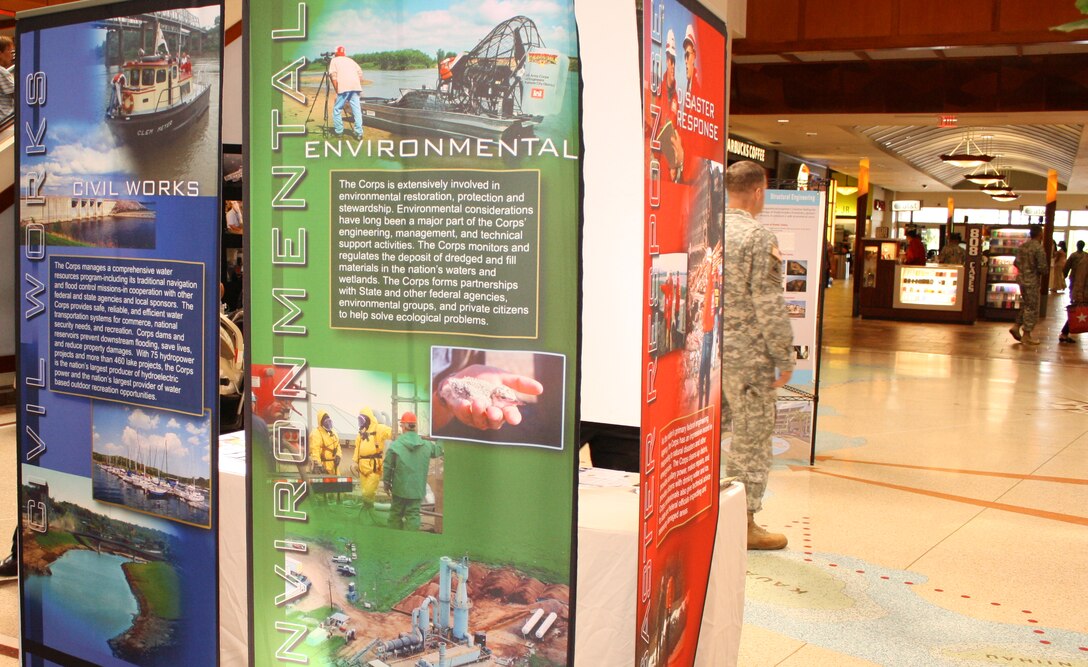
(384, 83)
(90, 591)
(109, 488)
(180, 156)
(109, 232)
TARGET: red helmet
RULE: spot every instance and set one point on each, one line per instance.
(408, 418)
(339, 50)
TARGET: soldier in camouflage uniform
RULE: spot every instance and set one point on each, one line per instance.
(953, 252)
(757, 340)
(1032, 264)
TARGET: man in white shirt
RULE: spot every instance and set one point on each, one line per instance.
(347, 80)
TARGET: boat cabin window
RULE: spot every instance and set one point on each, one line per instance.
(174, 72)
(160, 76)
(132, 77)
(148, 78)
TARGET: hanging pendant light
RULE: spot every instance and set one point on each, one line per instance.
(999, 183)
(1006, 194)
(988, 175)
(961, 156)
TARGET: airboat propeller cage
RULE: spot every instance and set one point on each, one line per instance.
(491, 77)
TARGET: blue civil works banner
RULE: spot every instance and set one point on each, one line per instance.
(118, 260)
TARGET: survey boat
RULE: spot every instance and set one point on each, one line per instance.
(155, 97)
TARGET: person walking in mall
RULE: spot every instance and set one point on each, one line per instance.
(757, 340)
(347, 80)
(953, 252)
(1074, 259)
(1031, 262)
(1057, 264)
(1078, 289)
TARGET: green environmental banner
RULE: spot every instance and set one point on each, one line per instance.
(413, 190)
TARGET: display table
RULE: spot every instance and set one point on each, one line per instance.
(607, 565)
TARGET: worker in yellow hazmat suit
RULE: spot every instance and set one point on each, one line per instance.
(325, 444)
(369, 450)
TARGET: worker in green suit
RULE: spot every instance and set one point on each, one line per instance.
(404, 474)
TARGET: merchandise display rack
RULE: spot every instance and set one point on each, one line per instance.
(929, 286)
(1001, 299)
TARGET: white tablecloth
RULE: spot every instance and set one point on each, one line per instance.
(608, 562)
(607, 555)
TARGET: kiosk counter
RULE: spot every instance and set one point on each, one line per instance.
(929, 293)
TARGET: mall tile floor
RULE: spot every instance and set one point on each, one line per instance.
(946, 519)
(945, 522)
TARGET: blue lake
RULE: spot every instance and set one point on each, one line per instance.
(88, 589)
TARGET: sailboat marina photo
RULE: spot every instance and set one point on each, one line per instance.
(151, 462)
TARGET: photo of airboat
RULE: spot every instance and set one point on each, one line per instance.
(482, 94)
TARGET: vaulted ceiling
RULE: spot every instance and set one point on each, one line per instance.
(1024, 149)
(904, 149)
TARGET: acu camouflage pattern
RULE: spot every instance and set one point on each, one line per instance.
(952, 253)
(1032, 264)
(756, 338)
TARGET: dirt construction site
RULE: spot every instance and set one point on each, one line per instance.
(502, 599)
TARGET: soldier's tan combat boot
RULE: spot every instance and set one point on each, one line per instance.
(759, 538)
(1028, 340)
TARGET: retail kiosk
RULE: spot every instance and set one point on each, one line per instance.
(929, 293)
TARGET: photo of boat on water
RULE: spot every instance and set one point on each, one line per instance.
(500, 81)
(113, 573)
(152, 462)
(148, 86)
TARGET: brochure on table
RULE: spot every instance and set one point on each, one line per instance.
(118, 259)
(683, 65)
(797, 219)
(414, 212)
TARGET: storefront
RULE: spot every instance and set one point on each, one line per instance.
(744, 149)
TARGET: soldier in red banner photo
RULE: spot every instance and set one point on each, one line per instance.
(670, 297)
(692, 92)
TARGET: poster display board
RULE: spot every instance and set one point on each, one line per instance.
(118, 176)
(683, 64)
(413, 241)
(797, 219)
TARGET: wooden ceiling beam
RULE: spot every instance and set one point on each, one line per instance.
(748, 47)
(954, 85)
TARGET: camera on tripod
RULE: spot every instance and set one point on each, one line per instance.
(327, 56)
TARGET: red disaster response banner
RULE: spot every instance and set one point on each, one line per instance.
(683, 67)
